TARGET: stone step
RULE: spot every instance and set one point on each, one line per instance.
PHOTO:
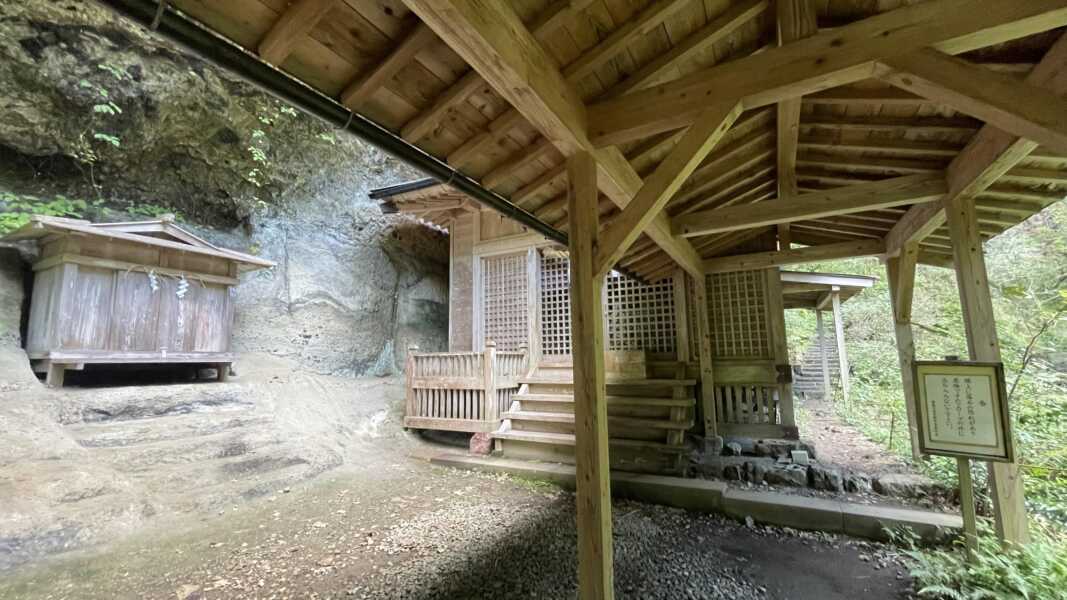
(568, 418)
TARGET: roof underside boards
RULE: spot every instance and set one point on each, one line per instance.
(383, 62)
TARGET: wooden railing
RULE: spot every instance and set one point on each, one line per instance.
(752, 399)
(461, 391)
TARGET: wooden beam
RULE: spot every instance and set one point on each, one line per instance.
(901, 289)
(359, 91)
(796, 20)
(622, 38)
(899, 191)
(490, 37)
(297, 21)
(825, 60)
(999, 99)
(794, 256)
(547, 23)
(1006, 483)
(592, 471)
(719, 28)
(990, 154)
(660, 187)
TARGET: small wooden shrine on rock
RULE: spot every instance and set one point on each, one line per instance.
(129, 293)
(508, 368)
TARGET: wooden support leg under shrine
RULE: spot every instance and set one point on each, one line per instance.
(595, 575)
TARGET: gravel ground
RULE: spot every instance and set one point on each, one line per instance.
(405, 529)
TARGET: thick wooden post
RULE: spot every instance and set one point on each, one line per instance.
(707, 374)
(681, 317)
(901, 285)
(842, 353)
(823, 358)
(595, 575)
(1005, 478)
(780, 346)
(409, 382)
(491, 410)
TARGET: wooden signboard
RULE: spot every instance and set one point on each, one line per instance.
(962, 410)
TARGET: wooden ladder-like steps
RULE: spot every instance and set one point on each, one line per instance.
(560, 417)
(567, 439)
(612, 400)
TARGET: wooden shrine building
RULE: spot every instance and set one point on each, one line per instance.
(665, 136)
(511, 288)
(144, 292)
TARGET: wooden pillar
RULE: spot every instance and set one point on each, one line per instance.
(54, 375)
(779, 344)
(707, 374)
(821, 330)
(491, 412)
(842, 353)
(681, 317)
(1005, 478)
(533, 288)
(595, 575)
(901, 285)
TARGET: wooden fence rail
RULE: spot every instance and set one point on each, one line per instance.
(461, 391)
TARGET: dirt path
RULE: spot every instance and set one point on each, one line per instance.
(405, 529)
(841, 444)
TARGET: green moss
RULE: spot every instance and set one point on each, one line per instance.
(15, 210)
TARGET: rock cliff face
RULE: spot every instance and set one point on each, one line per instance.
(93, 108)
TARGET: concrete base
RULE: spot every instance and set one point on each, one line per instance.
(699, 495)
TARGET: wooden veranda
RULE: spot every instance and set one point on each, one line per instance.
(670, 134)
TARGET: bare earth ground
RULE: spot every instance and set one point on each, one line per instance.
(284, 484)
(408, 530)
(843, 445)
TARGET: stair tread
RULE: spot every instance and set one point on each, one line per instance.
(619, 400)
(557, 417)
(567, 439)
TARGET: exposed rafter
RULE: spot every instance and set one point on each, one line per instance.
(796, 20)
(296, 22)
(989, 155)
(359, 91)
(794, 256)
(492, 39)
(824, 60)
(998, 99)
(899, 191)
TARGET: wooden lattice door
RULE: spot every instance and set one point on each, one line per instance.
(504, 298)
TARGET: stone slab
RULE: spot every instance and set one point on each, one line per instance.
(771, 508)
(798, 512)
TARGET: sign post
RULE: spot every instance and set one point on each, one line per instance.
(962, 412)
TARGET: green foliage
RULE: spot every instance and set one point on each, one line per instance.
(1037, 571)
(15, 210)
(153, 211)
(1028, 280)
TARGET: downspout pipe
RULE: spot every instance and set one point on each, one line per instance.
(226, 55)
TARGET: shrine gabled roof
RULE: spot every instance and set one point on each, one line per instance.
(161, 232)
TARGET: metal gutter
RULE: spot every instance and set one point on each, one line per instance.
(224, 54)
(402, 188)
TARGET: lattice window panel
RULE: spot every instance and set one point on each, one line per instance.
(640, 316)
(506, 300)
(555, 306)
(737, 306)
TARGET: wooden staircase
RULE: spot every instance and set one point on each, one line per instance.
(647, 417)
